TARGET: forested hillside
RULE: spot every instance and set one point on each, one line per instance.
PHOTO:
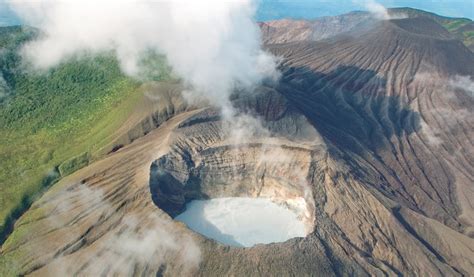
(55, 122)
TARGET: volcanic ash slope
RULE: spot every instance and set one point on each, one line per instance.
(369, 128)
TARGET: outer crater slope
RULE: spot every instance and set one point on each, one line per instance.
(284, 30)
(368, 128)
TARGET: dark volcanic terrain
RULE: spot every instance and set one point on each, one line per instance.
(372, 127)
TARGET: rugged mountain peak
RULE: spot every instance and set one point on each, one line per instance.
(286, 30)
(428, 45)
(383, 94)
(388, 48)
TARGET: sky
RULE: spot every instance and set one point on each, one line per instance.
(274, 9)
(7, 17)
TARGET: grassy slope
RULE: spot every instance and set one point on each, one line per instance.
(462, 28)
(55, 122)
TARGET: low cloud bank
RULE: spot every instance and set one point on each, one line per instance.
(213, 45)
(138, 240)
(464, 83)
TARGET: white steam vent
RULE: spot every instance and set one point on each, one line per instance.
(244, 222)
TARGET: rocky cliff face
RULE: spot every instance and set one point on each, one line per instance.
(372, 130)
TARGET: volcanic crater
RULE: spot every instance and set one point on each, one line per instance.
(363, 127)
(205, 162)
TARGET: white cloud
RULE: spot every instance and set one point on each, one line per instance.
(453, 114)
(213, 45)
(139, 239)
(375, 8)
(378, 10)
(464, 83)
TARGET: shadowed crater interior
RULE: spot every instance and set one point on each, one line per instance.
(323, 111)
(238, 195)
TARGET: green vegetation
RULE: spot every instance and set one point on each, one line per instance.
(153, 67)
(461, 28)
(74, 164)
(53, 123)
(454, 24)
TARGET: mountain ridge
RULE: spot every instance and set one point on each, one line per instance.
(375, 129)
(287, 30)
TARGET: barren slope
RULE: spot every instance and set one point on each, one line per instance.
(285, 30)
(385, 95)
(368, 129)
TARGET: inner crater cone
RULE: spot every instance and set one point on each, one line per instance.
(241, 221)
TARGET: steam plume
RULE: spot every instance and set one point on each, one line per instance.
(378, 10)
(213, 45)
